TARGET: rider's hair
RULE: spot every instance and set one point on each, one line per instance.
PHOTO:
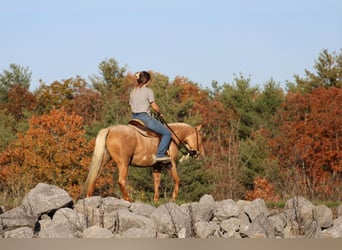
(143, 77)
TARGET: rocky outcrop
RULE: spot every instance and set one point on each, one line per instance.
(49, 212)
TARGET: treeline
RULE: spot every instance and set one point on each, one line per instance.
(262, 142)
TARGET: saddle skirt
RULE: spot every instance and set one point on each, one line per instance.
(139, 125)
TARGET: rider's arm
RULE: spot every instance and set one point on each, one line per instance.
(156, 108)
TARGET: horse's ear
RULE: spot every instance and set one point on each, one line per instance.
(198, 127)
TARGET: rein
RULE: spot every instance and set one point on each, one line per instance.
(181, 146)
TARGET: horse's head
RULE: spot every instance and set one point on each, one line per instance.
(194, 143)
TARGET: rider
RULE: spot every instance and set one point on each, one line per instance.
(141, 99)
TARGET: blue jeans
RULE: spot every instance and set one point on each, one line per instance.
(157, 127)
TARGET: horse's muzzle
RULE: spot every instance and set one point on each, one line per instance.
(195, 154)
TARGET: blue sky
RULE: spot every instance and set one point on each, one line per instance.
(201, 40)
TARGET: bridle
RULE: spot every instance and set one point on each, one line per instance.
(183, 148)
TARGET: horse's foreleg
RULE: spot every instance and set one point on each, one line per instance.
(176, 180)
(156, 181)
(123, 172)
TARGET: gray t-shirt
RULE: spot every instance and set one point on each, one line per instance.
(140, 99)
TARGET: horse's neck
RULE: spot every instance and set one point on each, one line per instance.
(180, 130)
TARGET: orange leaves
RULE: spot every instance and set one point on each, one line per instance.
(19, 99)
(310, 135)
(262, 189)
(53, 150)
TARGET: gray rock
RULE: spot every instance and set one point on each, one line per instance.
(261, 228)
(334, 232)
(323, 216)
(278, 221)
(230, 226)
(22, 232)
(58, 231)
(253, 208)
(245, 223)
(101, 212)
(139, 233)
(226, 209)
(129, 220)
(66, 223)
(2, 209)
(204, 229)
(97, 217)
(97, 232)
(17, 217)
(339, 211)
(110, 204)
(300, 217)
(75, 220)
(170, 219)
(45, 198)
(93, 201)
(203, 210)
(44, 223)
(142, 209)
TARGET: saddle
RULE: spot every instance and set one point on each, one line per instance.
(142, 129)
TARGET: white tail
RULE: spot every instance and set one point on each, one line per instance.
(96, 162)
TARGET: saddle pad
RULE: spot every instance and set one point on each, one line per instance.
(140, 126)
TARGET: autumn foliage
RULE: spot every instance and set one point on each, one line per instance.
(53, 150)
(259, 142)
(308, 145)
(262, 189)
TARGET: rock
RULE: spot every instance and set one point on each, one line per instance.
(97, 217)
(253, 208)
(22, 232)
(170, 219)
(278, 221)
(339, 211)
(226, 209)
(129, 220)
(261, 228)
(245, 223)
(75, 220)
(203, 229)
(110, 204)
(2, 209)
(66, 223)
(204, 209)
(17, 217)
(97, 232)
(334, 232)
(230, 226)
(142, 209)
(139, 233)
(300, 216)
(45, 198)
(58, 231)
(323, 216)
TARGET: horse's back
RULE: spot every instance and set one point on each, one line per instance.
(125, 142)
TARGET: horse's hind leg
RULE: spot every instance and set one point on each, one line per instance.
(156, 181)
(176, 180)
(123, 172)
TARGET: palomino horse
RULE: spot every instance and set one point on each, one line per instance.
(127, 145)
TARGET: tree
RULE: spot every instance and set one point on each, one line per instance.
(268, 103)
(7, 131)
(328, 74)
(114, 87)
(309, 141)
(53, 150)
(241, 98)
(57, 94)
(19, 101)
(16, 75)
